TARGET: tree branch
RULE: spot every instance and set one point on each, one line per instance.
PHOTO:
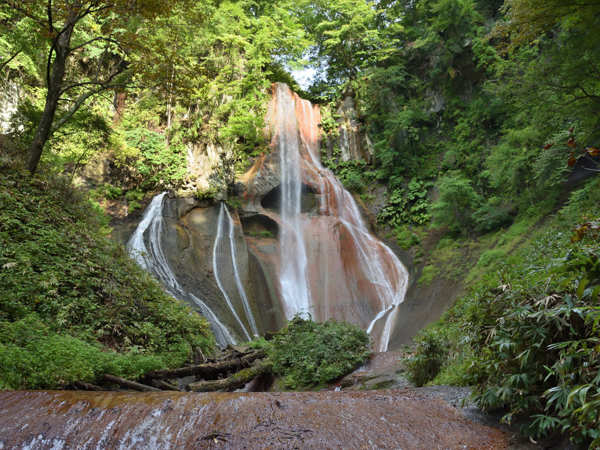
(80, 101)
(6, 63)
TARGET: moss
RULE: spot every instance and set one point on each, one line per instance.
(427, 275)
(72, 303)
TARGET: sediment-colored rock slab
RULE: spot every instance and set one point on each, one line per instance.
(319, 420)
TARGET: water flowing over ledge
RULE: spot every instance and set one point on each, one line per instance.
(318, 255)
(153, 259)
(322, 420)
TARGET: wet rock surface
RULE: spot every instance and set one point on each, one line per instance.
(386, 371)
(322, 420)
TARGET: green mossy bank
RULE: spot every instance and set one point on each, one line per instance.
(72, 304)
(527, 333)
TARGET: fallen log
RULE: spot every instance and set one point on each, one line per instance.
(128, 384)
(235, 381)
(210, 371)
(80, 385)
(163, 386)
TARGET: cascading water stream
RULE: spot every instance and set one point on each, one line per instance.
(294, 286)
(236, 274)
(225, 221)
(154, 260)
(296, 135)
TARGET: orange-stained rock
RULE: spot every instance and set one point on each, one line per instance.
(304, 420)
(327, 261)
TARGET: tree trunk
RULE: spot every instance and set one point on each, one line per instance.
(55, 83)
(208, 371)
(129, 384)
(235, 381)
(120, 103)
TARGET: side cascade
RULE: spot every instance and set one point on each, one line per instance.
(330, 265)
(152, 258)
(226, 222)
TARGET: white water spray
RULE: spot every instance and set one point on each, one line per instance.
(293, 281)
(236, 273)
(222, 223)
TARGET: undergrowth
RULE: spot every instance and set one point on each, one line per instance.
(307, 353)
(527, 334)
(72, 304)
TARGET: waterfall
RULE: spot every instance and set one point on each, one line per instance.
(154, 260)
(294, 286)
(296, 135)
(225, 221)
(236, 273)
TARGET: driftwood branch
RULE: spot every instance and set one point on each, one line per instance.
(129, 384)
(209, 371)
(235, 381)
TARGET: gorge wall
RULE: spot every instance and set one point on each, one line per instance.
(298, 244)
(295, 242)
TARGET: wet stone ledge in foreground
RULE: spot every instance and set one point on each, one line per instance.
(320, 420)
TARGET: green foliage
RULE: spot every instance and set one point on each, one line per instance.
(457, 200)
(233, 202)
(106, 191)
(156, 163)
(307, 353)
(206, 194)
(407, 205)
(493, 215)
(75, 292)
(34, 356)
(263, 233)
(542, 356)
(407, 238)
(429, 355)
(428, 274)
(527, 334)
(353, 174)
(490, 257)
(134, 197)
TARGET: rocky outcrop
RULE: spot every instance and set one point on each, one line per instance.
(207, 170)
(9, 99)
(353, 144)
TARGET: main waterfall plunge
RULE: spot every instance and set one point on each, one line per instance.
(323, 261)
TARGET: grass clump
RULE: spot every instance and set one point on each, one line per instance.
(72, 303)
(306, 353)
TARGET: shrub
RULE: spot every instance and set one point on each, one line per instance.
(306, 353)
(426, 362)
(456, 202)
(134, 197)
(407, 238)
(490, 257)
(527, 334)
(67, 289)
(427, 275)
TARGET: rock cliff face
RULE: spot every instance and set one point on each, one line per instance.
(325, 260)
(353, 144)
(191, 246)
(297, 244)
